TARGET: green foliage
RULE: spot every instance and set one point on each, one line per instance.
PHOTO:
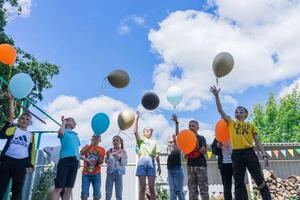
(161, 191)
(40, 72)
(279, 122)
(40, 191)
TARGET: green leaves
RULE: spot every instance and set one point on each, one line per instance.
(279, 121)
(40, 72)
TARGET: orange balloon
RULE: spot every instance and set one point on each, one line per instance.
(8, 54)
(186, 141)
(222, 131)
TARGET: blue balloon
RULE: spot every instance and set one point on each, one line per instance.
(100, 123)
(20, 85)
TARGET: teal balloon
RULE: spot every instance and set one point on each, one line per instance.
(20, 85)
(100, 123)
(174, 95)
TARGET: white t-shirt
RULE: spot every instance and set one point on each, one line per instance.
(226, 152)
(18, 147)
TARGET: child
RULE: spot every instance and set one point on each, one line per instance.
(18, 152)
(68, 159)
(224, 151)
(116, 159)
(197, 167)
(175, 172)
(243, 156)
(148, 151)
(93, 156)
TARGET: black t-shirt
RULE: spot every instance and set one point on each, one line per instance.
(173, 157)
(201, 160)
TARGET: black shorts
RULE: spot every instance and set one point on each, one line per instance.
(66, 172)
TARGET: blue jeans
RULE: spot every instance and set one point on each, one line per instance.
(175, 178)
(110, 179)
(95, 179)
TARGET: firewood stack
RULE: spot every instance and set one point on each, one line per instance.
(280, 189)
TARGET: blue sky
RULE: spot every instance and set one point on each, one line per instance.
(176, 38)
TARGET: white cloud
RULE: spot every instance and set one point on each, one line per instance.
(13, 12)
(189, 40)
(125, 27)
(289, 89)
(230, 100)
(83, 111)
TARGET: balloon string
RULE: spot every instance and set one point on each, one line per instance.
(123, 133)
(103, 84)
(217, 81)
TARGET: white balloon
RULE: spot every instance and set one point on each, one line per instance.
(222, 64)
(174, 95)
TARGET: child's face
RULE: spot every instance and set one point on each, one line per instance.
(24, 121)
(240, 113)
(116, 142)
(96, 139)
(170, 140)
(70, 123)
(148, 132)
(193, 126)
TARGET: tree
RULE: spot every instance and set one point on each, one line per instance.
(40, 72)
(279, 122)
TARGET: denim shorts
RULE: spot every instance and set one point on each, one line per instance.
(146, 166)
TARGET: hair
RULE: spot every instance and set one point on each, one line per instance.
(148, 128)
(25, 114)
(194, 121)
(121, 140)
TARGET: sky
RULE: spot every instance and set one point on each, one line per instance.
(159, 44)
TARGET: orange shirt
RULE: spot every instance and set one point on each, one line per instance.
(93, 155)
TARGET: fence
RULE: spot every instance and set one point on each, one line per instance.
(284, 160)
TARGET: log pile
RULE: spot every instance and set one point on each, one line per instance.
(280, 189)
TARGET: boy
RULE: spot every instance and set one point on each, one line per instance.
(175, 171)
(197, 167)
(68, 159)
(243, 156)
(18, 152)
(93, 156)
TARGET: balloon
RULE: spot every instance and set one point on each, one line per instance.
(174, 95)
(20, 85)
(118, 78)
(126, 119)
(150, 101)
(222, 64)
(100, 123)
(222, 131)
(8, 54)
(186, 141)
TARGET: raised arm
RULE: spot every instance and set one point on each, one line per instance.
(61, 130)
(215, 92)
(136, 127)
(11, 107)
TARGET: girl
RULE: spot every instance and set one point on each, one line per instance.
(148, 151)
(116, 159)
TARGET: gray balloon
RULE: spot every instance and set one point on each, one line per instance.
(118, 78)
(150, 101)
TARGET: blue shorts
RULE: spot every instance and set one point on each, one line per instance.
(146, 166)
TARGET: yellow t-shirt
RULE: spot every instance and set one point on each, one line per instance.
(241, 134)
